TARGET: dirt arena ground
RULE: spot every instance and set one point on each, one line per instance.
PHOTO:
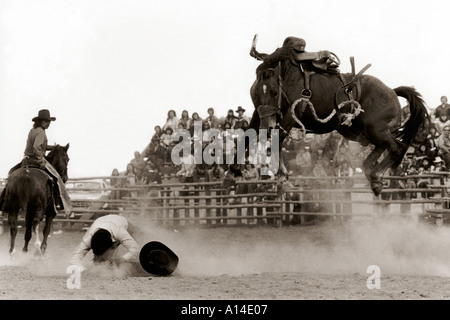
(329, 260)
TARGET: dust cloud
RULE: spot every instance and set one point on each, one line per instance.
(396, 246)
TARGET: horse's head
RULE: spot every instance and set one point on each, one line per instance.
(265, 89)
(59, 159)
(265, 96)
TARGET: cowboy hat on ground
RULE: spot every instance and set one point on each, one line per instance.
(156, 258)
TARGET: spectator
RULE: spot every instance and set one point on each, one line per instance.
(244, 125)
(186, 173)
(212, 119)
(433, 133)
(250, 172)
(167, 143)
(195, 118)
(206, 133)
(289, 150)
(230, 118)
(426, 164)
(115, 183)
(266, 162)
(181, 126)
(205, 170)
(431, 141)
(227, 129)
(219, 167)
(158, 132)
(421, 153)
(408, 164)
(171, 122)
(130, 180)
(138, 164)
(233, 174)
(439, 165)
(129, 171)
(443, 108)
(424, 182)
(443, 145)
(317, 156)
(185, 120)
(151, 174)
(155, 153)
(342, 153)
(240, 118)
(332, 144)
(441, 122)
(228, 139)
(303, 161)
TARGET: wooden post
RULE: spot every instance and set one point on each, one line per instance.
(208, 203)
(439, 219)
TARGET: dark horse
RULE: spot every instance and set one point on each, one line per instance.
(30, 189)
(373, 115)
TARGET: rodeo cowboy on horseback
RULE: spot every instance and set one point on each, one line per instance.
(34, 156)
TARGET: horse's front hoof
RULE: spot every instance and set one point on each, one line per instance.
(12, 253)
(377, 187)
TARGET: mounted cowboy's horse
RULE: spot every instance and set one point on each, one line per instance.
(31, 190)
(305, 90)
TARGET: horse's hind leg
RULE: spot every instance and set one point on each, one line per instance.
(12, 220)
(46, 232)
(370, 166)
(388, 162)
(371, 162)
(32, 224)
(396, 149)
(28, 228)
(37, 242)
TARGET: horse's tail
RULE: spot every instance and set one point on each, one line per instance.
(418, 119)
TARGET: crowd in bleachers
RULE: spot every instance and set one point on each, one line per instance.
(314, 155)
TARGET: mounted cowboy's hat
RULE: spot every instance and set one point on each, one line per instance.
(43, 114)
(156, 258)
(240, 109)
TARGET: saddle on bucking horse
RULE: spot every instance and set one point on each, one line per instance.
(324, 62)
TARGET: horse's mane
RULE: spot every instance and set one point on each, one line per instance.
(51, 155)
(57, 154)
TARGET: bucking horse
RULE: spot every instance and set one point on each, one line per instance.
(306, 90)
